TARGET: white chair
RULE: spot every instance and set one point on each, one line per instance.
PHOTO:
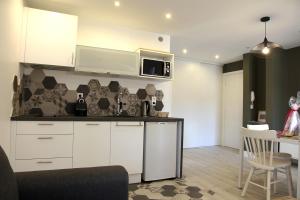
(263, 127)
(276, 155)
(260, 148)
(258, 127)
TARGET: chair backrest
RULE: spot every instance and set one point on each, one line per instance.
(259, 145)
(258, 127)
(8, 182)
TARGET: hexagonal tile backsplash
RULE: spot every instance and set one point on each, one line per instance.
(42, 95)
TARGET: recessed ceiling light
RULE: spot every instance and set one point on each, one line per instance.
(184, 51)
(168, 15)
(217, 56)
(117, 3)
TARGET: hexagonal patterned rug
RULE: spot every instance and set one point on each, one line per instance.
(178, 189)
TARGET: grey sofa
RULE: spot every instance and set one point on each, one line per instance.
(100, 183)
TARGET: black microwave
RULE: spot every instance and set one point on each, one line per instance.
(155, 68)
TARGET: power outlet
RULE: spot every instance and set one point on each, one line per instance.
(153, 101)
(79, 95)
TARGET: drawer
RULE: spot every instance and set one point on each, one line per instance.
(44, 127)
(42, 164)
(43, 146)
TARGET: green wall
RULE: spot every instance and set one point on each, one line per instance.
(276, 85)
(293, 71)
(248, 81)
(274, 79)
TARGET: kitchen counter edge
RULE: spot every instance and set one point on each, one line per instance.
(96, 118)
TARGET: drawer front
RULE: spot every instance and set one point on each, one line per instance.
(44, 127)
(43, 146)
(42, 164)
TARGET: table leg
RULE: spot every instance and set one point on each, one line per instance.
(298, 177)
(240, 179)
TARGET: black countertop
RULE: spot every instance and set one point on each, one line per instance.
(96, 118)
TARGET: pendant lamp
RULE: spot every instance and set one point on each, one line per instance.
(266, 45)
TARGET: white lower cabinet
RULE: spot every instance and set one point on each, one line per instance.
(127, 140)
(60, 145)
(43, 164)
(43, 146)
(91, 144)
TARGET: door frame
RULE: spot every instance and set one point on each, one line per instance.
(223, 113)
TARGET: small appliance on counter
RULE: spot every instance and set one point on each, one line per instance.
(146, 108)
(81, 107)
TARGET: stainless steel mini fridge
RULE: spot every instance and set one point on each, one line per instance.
(160, 151)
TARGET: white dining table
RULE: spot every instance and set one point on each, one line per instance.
(290, 140)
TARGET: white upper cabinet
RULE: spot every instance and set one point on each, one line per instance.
(108, 61)
(48, 38)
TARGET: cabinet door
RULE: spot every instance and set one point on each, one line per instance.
(91, 144)
(127, 145)
(50, 38)
(91, 59)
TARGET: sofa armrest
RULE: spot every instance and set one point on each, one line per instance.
(99, 183)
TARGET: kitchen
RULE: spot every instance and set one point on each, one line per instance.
(159, 91)
(55, 120)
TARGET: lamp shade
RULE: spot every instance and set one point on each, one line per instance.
(266, 45)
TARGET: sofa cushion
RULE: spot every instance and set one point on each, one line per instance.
(8, 182)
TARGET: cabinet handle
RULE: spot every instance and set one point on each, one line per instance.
(45, 124)
(45, 138)
(91, 124)
(161, 122)
(44, 162)
(140, 124)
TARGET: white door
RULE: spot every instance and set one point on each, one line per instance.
(50, 38)
(91, 144)
(232, 116)
(127, 145)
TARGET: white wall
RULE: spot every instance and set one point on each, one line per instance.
(197, 98)
(121, 38)
(10, 26)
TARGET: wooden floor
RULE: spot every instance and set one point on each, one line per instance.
(216, 168)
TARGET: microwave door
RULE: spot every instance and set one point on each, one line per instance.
(153, 67)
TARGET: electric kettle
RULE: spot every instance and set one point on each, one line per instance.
(146, 107)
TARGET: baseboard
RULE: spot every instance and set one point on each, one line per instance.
(135, 178)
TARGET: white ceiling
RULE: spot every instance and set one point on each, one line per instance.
(205, 27)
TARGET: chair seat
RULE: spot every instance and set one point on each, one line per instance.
(281, 155)
(277, 163)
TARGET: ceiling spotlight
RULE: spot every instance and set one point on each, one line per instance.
(168, 15)
(184, 51)
(217, 56)
(117, 3)
(266, 45)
